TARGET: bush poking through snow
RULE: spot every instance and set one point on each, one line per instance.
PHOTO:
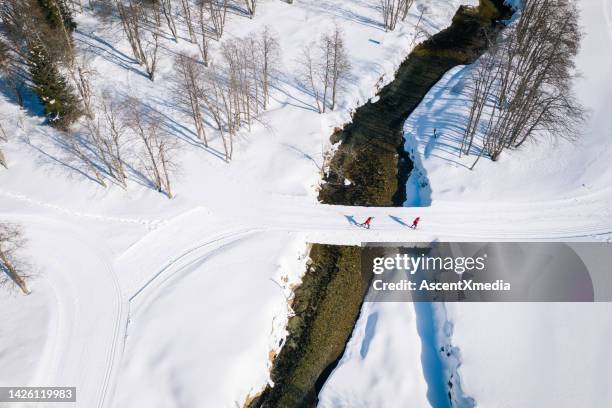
(12, 266)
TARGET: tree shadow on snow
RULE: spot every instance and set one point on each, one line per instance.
(370, 331)
(29, 101)
(100, 47)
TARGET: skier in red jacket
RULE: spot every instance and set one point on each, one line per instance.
(415, 223)
(367, 222)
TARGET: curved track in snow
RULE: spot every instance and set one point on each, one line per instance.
(94, 304)
(85, 345)
(81, 348)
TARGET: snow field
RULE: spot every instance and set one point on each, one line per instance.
(209, 272)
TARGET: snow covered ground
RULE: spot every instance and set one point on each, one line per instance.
(534, 355)
(144, 301)
(134, 289)
(509, 355)
(543, 171)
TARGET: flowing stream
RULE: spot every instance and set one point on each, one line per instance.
(372, 157)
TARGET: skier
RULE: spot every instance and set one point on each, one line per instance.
(367, 222)
(415, 223)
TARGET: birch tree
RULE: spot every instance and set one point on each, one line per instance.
(131, 18)
(166, 7)
(308, 75)
(325, 68)
(204, 38)
(157, 148)
(189, 21)
(393, 10)
(188, 91)
(3, 139)
(251, 7)
(152, 48)
(134, 18)
(339, 63)
(110, 140)
(218, 100)
(522, 88)
(13, 268)
(218, 14)
(269, 50)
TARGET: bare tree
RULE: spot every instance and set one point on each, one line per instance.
(112, 140)
(308, 75)
(393, 10)
(150, 53)
(218, 101)
(218, 13)
(523, 87)
(419, 31)
(325, 68)
(166, 7)
(231, 95)
(269, 50)
(3, 138)
(188, 16)
(251, 6)
(484, 77)
(204, 42)
(158, 149)
(131, 18)
(12, 266)
(339, 62)
(406, 6)
(188, 91)
(134, 17)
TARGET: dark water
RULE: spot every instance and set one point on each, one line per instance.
(372, 157)
(372, 154)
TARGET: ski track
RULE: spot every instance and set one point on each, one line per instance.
(319, 223)
(223, 239)
(134, 278)
(150, 224)
(65, 357)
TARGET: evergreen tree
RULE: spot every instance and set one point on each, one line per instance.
(55, 11)
(57, 96)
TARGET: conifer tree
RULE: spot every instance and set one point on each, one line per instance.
(57, 96)
(55, 12)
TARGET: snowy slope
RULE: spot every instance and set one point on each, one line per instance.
(143, 300)
(381, 366)
(546, 170)
(509, 355)
(133, 285)
(534, 355)
(72, 322)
